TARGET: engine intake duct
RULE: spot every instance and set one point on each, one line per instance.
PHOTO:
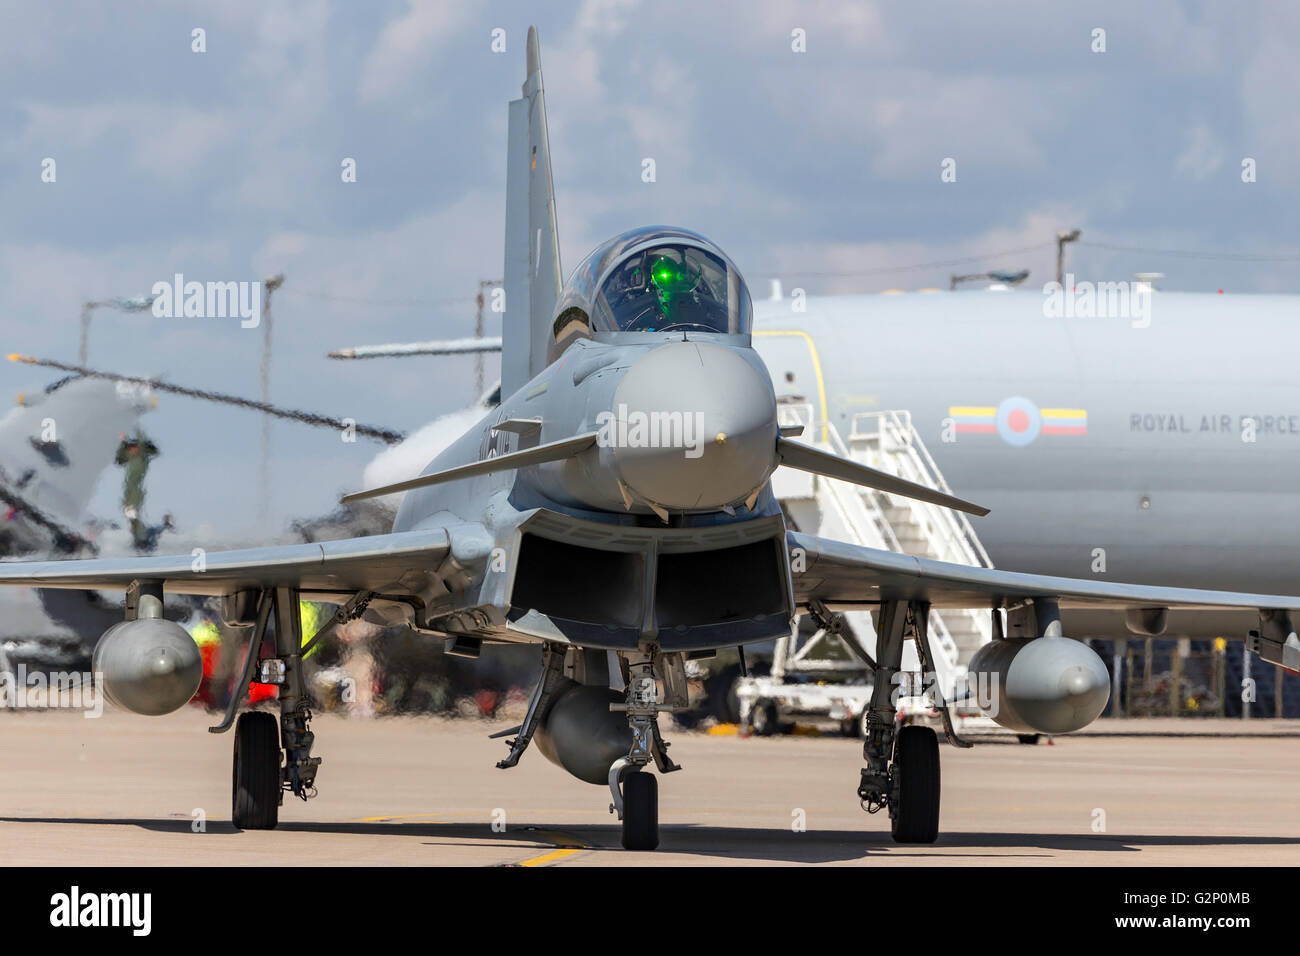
(605, 585)
(700, 588)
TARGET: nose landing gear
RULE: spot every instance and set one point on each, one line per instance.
(636, 794)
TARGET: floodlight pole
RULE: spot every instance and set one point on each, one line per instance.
(269, 285)
(90, 305)
(1062, 237)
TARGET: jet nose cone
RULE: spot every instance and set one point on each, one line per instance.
(695, 426)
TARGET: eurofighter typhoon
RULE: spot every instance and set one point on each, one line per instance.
(616, 507)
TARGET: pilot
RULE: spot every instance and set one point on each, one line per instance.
(667, 288)
(134, 454)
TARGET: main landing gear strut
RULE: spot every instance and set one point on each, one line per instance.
(902, 771)
(270, 756)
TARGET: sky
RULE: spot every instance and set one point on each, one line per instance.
(821, 167)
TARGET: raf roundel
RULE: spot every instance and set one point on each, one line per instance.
(1018, 421)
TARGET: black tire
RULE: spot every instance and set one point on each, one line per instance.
(763, 718)
(722, 704)
(1030, 739)
(255, 797)
(853, 726)
(915, 811)
(640, 811)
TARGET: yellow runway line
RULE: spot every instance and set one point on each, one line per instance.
(568, 847)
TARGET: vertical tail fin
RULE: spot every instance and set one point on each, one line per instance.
(532, 248)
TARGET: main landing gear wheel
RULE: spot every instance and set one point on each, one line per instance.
(914, 805)
(640, 811)
(255, 797)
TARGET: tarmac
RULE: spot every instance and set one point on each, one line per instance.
(127, 790)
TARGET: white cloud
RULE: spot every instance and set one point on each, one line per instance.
(1203, 155)
(407, 45)
(885, 263)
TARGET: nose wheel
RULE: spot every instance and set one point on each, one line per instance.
(640, 811)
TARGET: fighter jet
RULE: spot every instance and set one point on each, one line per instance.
(617, 506)
(54, 446)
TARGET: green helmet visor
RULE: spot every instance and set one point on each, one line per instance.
(672, 287)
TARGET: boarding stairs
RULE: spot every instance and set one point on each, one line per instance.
(835, 509)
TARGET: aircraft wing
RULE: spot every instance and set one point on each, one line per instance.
(434, 347)
(399, 563)
(838, 573)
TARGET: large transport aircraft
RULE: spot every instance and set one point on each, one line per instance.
(617, 506)
(1110, 447)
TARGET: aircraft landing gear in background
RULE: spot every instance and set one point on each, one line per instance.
(764, 718)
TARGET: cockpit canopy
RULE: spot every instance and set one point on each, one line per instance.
(667, 286)
(655, 279)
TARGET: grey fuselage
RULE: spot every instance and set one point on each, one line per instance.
(592, 377)
(1143, 457)
(622, 541)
